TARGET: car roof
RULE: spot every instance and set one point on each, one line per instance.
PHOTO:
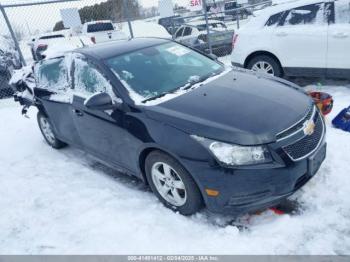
(114, 48)
(53, 33)
(98, 22)
(202, 22)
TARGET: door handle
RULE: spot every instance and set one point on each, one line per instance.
(340, 35)
(281, 34)
(78, 112)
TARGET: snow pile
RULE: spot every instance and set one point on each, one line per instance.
(21, 75)
(64, 202)
(146, 29)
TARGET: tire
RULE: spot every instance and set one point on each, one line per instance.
(190, 201)
(259, 60)
(47, 131)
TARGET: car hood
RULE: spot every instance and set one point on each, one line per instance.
(238, 107)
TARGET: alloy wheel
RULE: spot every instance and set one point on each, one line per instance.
(47, 130)
(169, 184)
(263, 67)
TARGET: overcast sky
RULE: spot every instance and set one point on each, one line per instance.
(43, 17)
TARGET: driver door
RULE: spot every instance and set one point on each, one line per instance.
(102, 132)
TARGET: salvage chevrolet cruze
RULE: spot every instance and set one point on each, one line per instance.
(200, 134)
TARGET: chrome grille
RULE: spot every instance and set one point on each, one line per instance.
(295, 128)
(309, 143)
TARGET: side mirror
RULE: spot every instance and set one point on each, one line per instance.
(100, 101)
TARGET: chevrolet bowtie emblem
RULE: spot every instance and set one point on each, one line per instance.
(309, 127)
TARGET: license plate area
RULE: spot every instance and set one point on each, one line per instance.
(314, 162)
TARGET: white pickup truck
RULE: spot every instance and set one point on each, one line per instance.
(102, 31)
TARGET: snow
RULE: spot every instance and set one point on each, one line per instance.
(59, 47)
(64, 202)
(146, 29)
(6, 45)
(20, 75)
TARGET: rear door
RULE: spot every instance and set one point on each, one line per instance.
(300, 40)
(338, 56)
(54, 92)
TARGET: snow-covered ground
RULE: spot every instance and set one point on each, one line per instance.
(64, 202)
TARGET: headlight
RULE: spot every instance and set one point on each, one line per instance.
(235, 155)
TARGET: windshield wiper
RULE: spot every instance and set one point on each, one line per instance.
(158, 96)
(200, 80)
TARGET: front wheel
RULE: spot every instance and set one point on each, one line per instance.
(47, 131)
(172, 184)
(265, 64)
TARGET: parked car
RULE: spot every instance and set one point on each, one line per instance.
(198, 133)
(303, 38)
(234, 10)
(8, 62)
(44, 42)
(102, 31)
(172, 23)
(194, 34)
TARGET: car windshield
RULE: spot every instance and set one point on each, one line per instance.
(155, 71)
(100, 27)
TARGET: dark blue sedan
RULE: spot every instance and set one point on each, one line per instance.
(200, 134)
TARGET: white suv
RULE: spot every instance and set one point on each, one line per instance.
(302, 38)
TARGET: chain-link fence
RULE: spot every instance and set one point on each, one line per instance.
(7, 54)
(45, 25)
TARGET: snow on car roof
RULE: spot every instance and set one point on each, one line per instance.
(202, 22)
(98, 22)
(60, 32)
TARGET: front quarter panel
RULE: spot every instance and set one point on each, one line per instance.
(158, 135)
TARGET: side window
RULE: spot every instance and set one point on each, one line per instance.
(275, 19)
(342, 12)
(88, 80)
(187, 31)
(308, 14)
(179, 32)
(52, 75)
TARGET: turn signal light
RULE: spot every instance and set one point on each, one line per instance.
(211, 192)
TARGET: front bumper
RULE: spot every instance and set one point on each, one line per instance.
(248, 190)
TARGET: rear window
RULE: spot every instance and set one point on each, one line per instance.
(99, 27)
(51, 36)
